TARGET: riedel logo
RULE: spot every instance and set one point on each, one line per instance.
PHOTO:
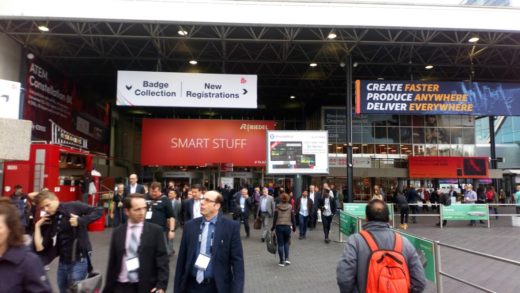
(250, 127)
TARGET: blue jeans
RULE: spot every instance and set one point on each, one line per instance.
(303, 224)
(283, 236)
(70, 273)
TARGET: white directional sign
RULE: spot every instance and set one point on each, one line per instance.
(9, 99)
(172, 89)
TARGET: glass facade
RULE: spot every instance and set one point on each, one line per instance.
(395, 135)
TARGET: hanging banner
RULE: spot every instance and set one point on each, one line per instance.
(9, 99)
(437, 98)
(186, 142)
(448, 167)
(173, 89)
(59, 115)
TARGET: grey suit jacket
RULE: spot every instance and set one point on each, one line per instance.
(270, 206)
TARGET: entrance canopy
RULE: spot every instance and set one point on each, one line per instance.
(297, 49)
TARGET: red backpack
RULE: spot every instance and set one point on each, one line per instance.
(387, 269)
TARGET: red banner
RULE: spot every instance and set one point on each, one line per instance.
(183, 142)
(448, 167)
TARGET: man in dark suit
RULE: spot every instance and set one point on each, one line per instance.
(315, 196)
(242, 208)
(210, 255)
(192, 206)
(138, 259)
(133, 187)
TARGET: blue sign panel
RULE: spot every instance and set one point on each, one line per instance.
(437, 98)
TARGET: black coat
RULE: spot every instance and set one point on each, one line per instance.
(153, 258)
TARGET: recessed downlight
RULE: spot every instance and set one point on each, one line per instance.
(313, 64)
(43, 28)
(193, 62)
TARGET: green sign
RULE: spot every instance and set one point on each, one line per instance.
(348, 224)
(424, 249)
(460, 212)
(358, 209)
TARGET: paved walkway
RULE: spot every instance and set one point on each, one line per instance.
(313, 267)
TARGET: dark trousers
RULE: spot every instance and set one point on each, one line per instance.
(313, 219)
(283, 236)
(404, 215)
(126, 287)
(414, 209)
(244, 218)
(205, 287)
(327, 220)
(119, 217)
(303, 224)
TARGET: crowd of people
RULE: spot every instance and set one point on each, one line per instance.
(210, 256)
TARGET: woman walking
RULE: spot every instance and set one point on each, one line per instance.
(283, 221)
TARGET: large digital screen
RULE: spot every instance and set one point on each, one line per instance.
(448, 167)
(297, 152)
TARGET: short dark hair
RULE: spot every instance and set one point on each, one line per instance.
(155, 185)
(196, 186)
(12, 221)
(127, 203)
(17, 186)
(377, 211)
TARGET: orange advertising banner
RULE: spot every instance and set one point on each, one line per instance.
(448, 167)
(188, 142)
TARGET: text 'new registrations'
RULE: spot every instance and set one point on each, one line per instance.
(172, 89)
(419, 98)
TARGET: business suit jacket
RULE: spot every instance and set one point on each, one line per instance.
(188, 209)
(227, 256)
(138, 189)
(317, 198)
(153, 258)
(248, 205)
(298, 205)
(270, 206)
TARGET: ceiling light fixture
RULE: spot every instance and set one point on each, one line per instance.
(182, 32)
(43, 28)
(428, 67)
(473, 39)
(292, 97)
(193, 62)
(332, 36)
(313, 64)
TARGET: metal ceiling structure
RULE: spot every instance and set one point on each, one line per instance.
(92, 52)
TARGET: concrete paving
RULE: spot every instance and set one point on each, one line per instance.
(313, 267)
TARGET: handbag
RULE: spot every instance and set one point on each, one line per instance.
(270, 241)
(257, 225)
(94, 280)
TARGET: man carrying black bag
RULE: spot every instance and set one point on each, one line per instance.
(62, 231)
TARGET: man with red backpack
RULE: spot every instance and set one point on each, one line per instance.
(379, 260)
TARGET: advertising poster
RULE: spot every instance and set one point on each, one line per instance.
(465, 212)
(59, 115)
(358, 209)
(348, 224)
(9, 99)
(297, 152)
(437, 98)
(447, 167)
(187, 142)
(175, 89)
(426, 254)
